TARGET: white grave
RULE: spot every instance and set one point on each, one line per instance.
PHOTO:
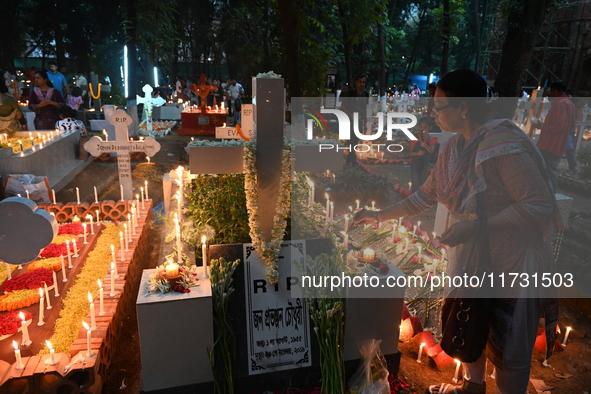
(123, 147)
(149, 103)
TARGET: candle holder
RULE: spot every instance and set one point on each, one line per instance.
(172, 280)
(376, 262)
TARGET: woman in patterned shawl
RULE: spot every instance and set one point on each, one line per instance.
(496, 158)
(45, 101)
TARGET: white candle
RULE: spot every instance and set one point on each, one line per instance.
(331, 211)
(8, 271)
(51, 353)
(101, 302)
(311, 195)
(346, 241)
(357, 202)
(369, 254)
(334, 178)
(434, 235)
(146, 185)
(17, 354)
(172, 270)
(327, 208)
(47, 295)
(121, 189)
(137, 204)
(88, 340)
(25, 330)
(142, 196)
(92, 312)
(41, 307)
(95, 195)
(414, 230)
(126, 237)
(75, 246)
(399, 222)
(350, 208)
(114, 264)
(64, 279)
(112, 280)
(409, 185)
(393, 231)
(178, 244)
(91, 224)
(53, 195)
(77, 196)
(130, 220)
(419, 225)
(406, 243)
(346, 222)
(178, 194)
(204, 256)
(28, 195)
(442, 254)
(373, 205)
(420, 352)
(457, 373)
(84, 232)
(121, 246)
(568, 330)
(96, 211)
(55, 287)
(420, 250)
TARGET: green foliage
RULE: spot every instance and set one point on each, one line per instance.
(584, 160)
(220, 201)
(114, 97)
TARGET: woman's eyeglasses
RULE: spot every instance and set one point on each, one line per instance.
(436, 111)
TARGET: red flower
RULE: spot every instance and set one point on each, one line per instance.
(384, 269)
(415, 259)
(55, 250)
(396, 240)
(72, 228)
(29, 280)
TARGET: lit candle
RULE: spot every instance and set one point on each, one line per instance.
(331, 211)
(47, 296)
(442, 254)
(399, 222)
(434, 235)
(53, 195)
(113, 260)
(96, 211)
(327, 173)
(70, 266)
(334, 178)
(142, 195)
(419, 225)
(95, 195)
(121, 246)
(130, 220)
(346, 222)
(55, 287)
(178, 244)
(172, 270)
(106, 135)
(41, 307)
(63, 268)
(112, 280)
(369, 254)
(91, 224)
(25, 329)
(311, 195)
(568, 330)
(101, 302)
(75, 246)
(420, 352)
(92, 312)
(28, 195)
(373, 205)
(138, 211)
(346, 241)
(8, 271)
(204, 255)
(350, 208)
(126, 237)
(414, 230)
(121, 189)
(357, 207)
(51, 353)
(84, 232)
(420, 250)
(77, 196)
(409, 185)
(327, 208)
(457, 373)
(17, 354)
(178, 194)
(88, 340)
(146, 185)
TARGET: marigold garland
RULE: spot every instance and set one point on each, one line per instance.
(4, 274)
(52, 264)
(268, 251)
(92, 93)
(18, 299)
(75, 304)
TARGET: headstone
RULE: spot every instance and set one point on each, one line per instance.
(123, 147)
(149, 102)
(24, 230)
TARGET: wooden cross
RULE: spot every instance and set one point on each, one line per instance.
(123, 147)
(149, 102)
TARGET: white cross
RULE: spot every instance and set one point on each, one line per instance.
(123, 146)
(149, 102)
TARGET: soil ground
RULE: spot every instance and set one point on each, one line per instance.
(573, 365)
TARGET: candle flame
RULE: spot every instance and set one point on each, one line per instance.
(48, 345)
(41, 292)
(86, 326)
(89, 297)
(326, 195)
(458, 362)
(148, 157)
(112, 266)
(22, 316)
(203, 239)
(112, 248)
(100, 284)
(15, 345)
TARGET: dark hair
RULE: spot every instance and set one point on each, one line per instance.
(426, 119)
(559, 85)
(43, 75)
(67, 112)
(466, 83)
(432, 85)
(76, 91)
(52, 63)
(3, 88)
(360, 76)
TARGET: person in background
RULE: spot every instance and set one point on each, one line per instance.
(31, 74)
(10, 113)
(68, 121)
(45, 102)
(356, 100)
(420, 154)
(555, 129)
(57, 79)
(491, 177)
(75, 99)
(180, 87)
(82, 83)
(235, 91)
(431, 88)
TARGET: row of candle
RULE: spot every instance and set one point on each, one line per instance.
(140, 197)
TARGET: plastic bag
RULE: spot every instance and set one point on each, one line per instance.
(37, 186)
(372, 375)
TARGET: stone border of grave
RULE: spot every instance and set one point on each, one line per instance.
(85, 375)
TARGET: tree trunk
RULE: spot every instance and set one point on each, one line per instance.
(382, 54)
(477, 34)
(346, 44)
(132, 62)
(289, 15)
(523, 28)
(446, 33)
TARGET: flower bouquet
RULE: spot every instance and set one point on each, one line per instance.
(172, 277)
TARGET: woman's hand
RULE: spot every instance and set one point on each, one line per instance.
(365, 217)
(458, 233)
